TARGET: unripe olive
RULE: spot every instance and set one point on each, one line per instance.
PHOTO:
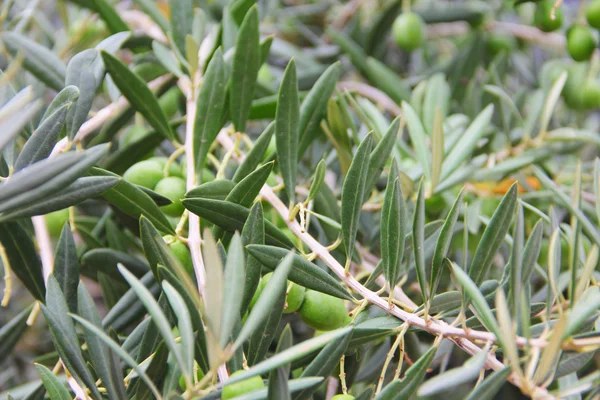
(56, 220)
(174, 168)
(581, 42)
(408, 31)
(169, 101)
(593, 14)
(181, 253)
(239, 388)
(173, 188)
(293, 299)
(145, 173)
(591, 95)
(543, 16)
(323, 312)
(498, 43)
(342, 397)
(182, 383)
(572, 92)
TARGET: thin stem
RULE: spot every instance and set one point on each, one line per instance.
(7, 277)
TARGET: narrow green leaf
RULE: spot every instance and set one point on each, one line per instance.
(119, 351)
(587, 306)
(393, 226)
(13, 122)
(287, 129)
(66, 267)
(324, 364)
(23, 257)
(47, 177)
(216, 190)
(184, 324)
(37, 59)
(215, 294)
(490, 385)
(484, 314)
(404, 389)
(12, 331)
(100, 355)
(253, 233)
(82, 72)
(531, 252)
(232, 217)
(314, 104)
(41, 143)
(278, 378)
(493, 236)
(303, 272)
(55, 388)
(276, 285)
(239, 9)
(182, 18)
(317, 179)
(64, 336)
(245, 66)
(353, 191)
(109, 15)
(209, 109)
(516, 260)
(245, 191)
(387, 80)
(234, 280)
(551, 353)
(418, 138)
(507, 330)
(437, 97)
(82, 189)
(468, 141)
(291, 354)
(443, 243)
(418, 240)
(456, 376)
(134, 201)
(255, 155)
(380, 155)
(138, 94)
(551, 100)
(158, 317)
(437, 149)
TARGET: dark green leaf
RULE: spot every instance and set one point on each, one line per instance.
(64, 336)
(182, 18)
(209, 109)
(393, 226)
(245, 191)
(37, 59)
(255, 155)
(133, 201)
(100, 355)
(106, 260)
(82, 189)
(66, 267)
(491, 385)
(418, 240)
(380, 155)
(12, 331)
(303, 272)
(23, 257)
(273, 291)
(287, 129)
(217, 190)
(245, 66)
(55, 388)
(493, 236)
(82, 72)
(353, 194)
(253, 233)
(138, 94)
(231, 217)
(234, 280)
(443, 243)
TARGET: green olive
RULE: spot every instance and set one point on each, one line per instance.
(169, 101)
(543, 16)
(182, 383)
(572, 92)
(342, 397)
(293, 299)
(56, 220)
(323, 312)
(498, 43)
(181, 252)
(408, 31)
(243, 387)
(581, 42)
(174, 168)
(173, 188)
(592, 14)
(591, 95)
(145, 173)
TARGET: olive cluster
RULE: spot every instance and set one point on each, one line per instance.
(319, 311)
